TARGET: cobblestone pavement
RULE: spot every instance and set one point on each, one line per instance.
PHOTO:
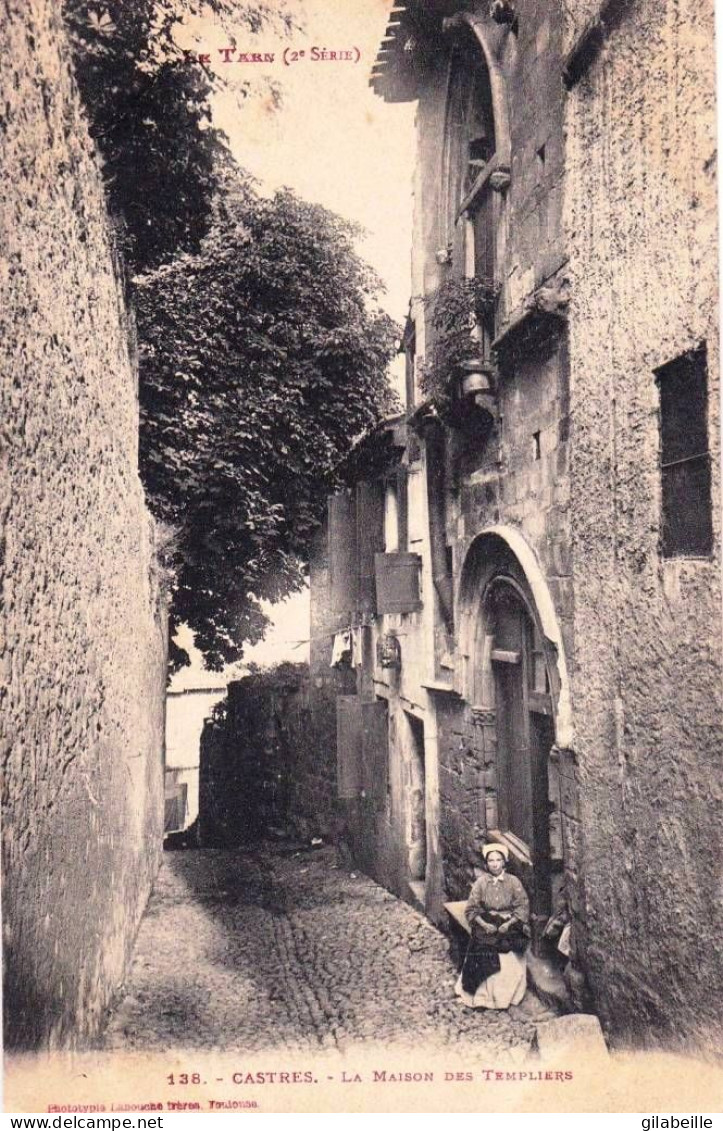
(262, 949)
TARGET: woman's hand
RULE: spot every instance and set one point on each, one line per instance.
(488, 928)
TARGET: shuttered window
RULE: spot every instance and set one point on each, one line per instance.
(348, 746)
(343, 569)
(397, 582)
(687, 527)
(362, 748)
(369, 540)
(176, 808)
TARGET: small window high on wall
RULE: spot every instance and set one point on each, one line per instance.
(687, 529)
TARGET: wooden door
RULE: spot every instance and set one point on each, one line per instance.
(525, 735)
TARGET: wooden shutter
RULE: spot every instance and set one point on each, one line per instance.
(375, 749)
(349, 770)
(362, 733)
(370, 540)
(343, 576)
(397, 581)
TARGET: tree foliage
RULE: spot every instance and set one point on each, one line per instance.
(263, 351)
(262, 357)
(149, 115)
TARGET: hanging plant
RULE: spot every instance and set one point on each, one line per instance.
(456, 308)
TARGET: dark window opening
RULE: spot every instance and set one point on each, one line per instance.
(536, 448)
(687, 528)
(470, 132)
(480, 150)
(397, 583)
(480, 124)
(473, 440)
(484, 263)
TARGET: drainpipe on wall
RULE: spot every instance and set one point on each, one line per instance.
(437, 511)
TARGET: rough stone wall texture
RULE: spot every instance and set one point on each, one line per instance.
(82, 628)
(519, 485)
(268, 761)
(641, 229)
(462, 794)
(531, 62)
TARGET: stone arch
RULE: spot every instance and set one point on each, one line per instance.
(498, 83)
(501, 551)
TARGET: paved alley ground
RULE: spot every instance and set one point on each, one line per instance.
(256, 950)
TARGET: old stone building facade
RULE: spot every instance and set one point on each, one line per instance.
(82, 623)
(525, 569)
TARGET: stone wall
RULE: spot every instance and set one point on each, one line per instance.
(380, 829)
(82, 629)
(531, 61)
(641, 229)
(268, 762)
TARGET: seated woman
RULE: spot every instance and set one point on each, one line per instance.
(494, 974)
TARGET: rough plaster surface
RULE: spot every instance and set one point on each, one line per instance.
(82, 627)
(641, 228)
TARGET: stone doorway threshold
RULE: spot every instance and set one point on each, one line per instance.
(549, 1007)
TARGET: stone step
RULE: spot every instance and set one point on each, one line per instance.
(576, 1034)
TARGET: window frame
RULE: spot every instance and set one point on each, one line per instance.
(669, 543)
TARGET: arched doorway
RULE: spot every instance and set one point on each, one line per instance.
(515, 678)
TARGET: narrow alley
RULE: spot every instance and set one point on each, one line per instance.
(277, 947)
